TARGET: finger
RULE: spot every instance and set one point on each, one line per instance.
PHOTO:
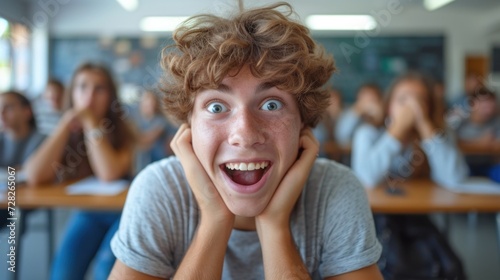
(297, 175)
(309, 144)
(201, 183)
(174, 144)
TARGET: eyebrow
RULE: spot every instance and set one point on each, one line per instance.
(261, 87)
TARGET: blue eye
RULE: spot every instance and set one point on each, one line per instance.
(216, 108)
(272, 105)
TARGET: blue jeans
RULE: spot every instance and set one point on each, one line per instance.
(88, 235)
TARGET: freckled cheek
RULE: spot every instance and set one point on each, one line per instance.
(206, 139)
(286, 133)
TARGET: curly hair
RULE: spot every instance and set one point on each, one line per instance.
(278, 50)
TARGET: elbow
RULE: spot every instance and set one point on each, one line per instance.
(35, 180)
(110, 175)
(33, 175)
(369, 181)
(107, 177)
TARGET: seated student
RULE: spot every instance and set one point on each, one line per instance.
(246, 196)
(91, 139)
(410, 141)
(481, 130)
(325, 129)
(367, 108)
(460, 107)
(19, 137)
(152, 126)
(50, 107)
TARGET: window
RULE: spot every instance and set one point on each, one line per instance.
(5, 56)
(14, 56)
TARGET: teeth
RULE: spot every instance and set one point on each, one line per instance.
(251, 166)
(247, 166)
(243, 167)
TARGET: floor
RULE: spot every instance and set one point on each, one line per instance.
(473, 236)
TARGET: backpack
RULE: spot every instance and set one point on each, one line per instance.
(413, 248)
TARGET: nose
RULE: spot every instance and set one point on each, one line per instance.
(246, 130)
(88, 96)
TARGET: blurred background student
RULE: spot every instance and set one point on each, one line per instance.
(460, 107)
(412, 142)
(49, 108)
(367, 108)
(19, 136)
(325, 130)
(480, 131)
(154, 129)
(92, 138)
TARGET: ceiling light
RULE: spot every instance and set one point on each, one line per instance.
(432, 5)
(4, 24)
(341, 22)
(129, 5)
(161, 23)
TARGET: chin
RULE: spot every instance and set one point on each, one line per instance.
(247, 210)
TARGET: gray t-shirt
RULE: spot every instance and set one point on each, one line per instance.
(16, 152)
(468, 130)
(332, 225)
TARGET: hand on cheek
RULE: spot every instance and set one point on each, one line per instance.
(277, 213)
(209, 200)
(71, 120)
(88, 118)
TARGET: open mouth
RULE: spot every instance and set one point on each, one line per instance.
(246, 173)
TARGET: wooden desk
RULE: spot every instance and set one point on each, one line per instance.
(421, 196)
(52, 196)
(475, 150)
(424, 196)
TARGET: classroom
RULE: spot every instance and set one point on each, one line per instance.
(238, 139)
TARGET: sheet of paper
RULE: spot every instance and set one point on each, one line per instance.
(93, 186)
(477, 185)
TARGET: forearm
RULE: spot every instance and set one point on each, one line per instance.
(372, 155)
(446, 162)
(281, 258)
(205, 256)
(40, 166)
(106, 162)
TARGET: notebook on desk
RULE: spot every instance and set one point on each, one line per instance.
(477, 185)
(94, 186)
